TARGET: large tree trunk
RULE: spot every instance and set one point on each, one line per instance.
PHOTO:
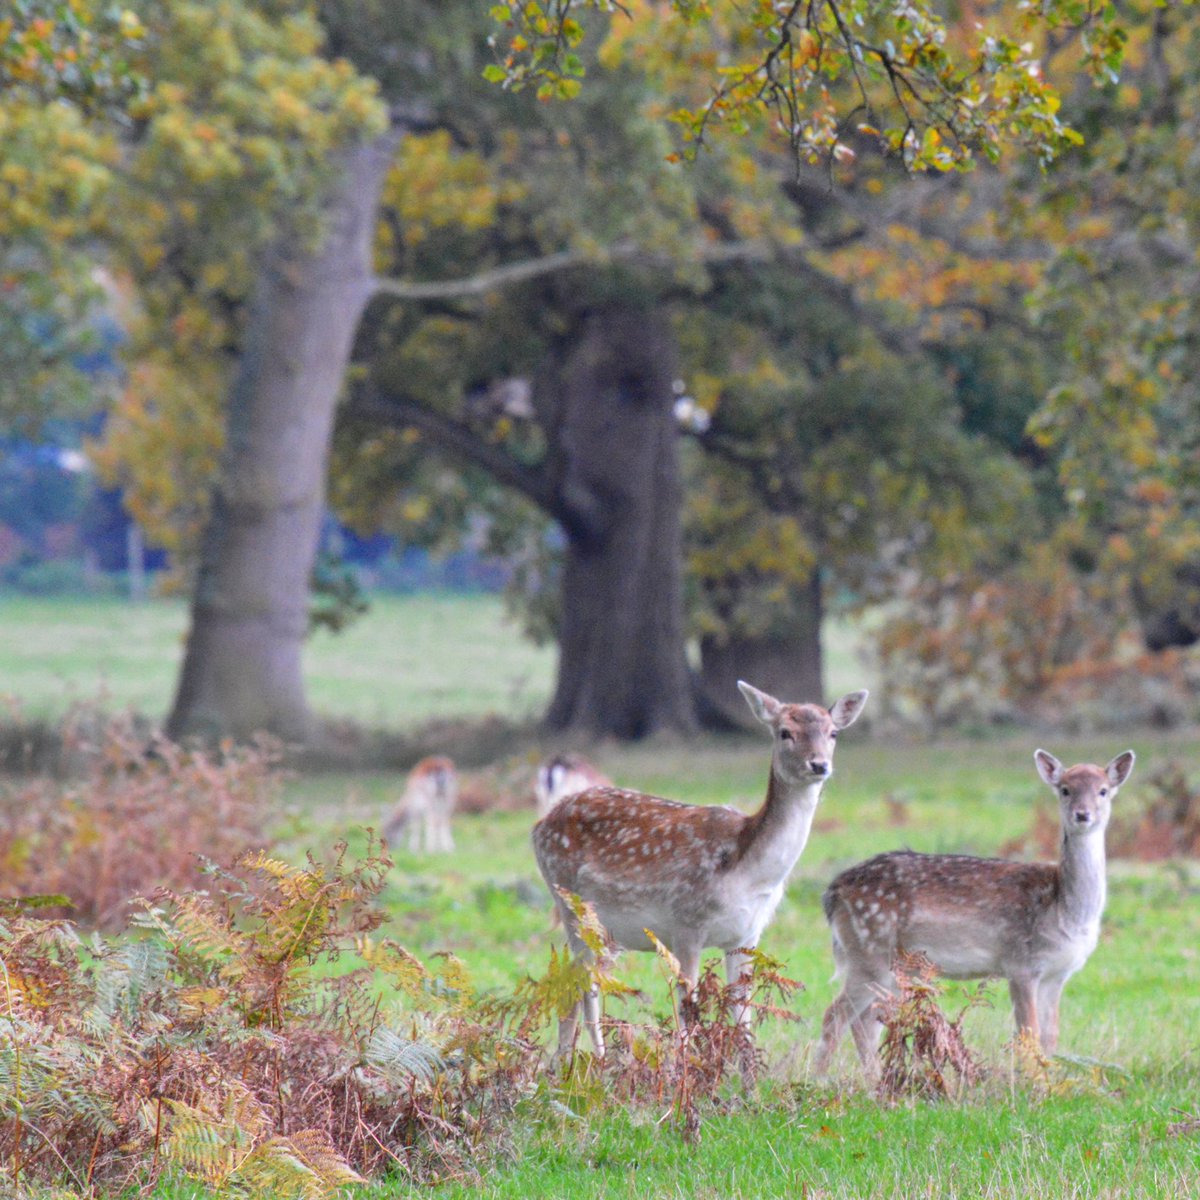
(789, 667)
(622, 666)
(241, 672)
(1172, 619)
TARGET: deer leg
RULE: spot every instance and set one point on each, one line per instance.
(591, 1017)
(737, 974)
(855, 1006)
(688, 958)
(738, 971)
(1024, 1001)
(865, 1026)
(833, 1026)
(588, 1003)
(1049, 991)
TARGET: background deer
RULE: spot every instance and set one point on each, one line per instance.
(695, 875)
(426, 806)
(563, 775)
(1033, 924)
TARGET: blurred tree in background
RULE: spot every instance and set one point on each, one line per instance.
(549, 297)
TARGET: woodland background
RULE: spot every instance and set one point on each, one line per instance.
(327, 283)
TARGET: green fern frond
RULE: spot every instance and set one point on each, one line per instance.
(213, 1146)
(305, 1165)
(125, 975)
(400, 1059)
(453, 980)
(405, 970)
(587, 923)
(208, 935)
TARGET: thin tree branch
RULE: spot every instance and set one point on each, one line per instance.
(369, 403)
(740, 253)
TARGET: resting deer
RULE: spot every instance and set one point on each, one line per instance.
(1033, 924)
(695, 875)
(426, 806)
(562, 776)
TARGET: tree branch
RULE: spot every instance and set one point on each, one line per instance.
(728, 253)
(458, 440)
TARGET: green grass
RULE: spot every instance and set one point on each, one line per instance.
(1135, 1006)
(408, 659)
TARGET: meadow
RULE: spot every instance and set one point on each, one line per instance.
(1110, 1118)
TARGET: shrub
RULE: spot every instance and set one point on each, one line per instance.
(923, 1052)
(223, 1044)
(1165, 822)
(138, 817)
(1039, 641)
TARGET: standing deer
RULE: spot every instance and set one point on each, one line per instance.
(426, 806)
(563, 775)
(695, 875)
(1033, 924)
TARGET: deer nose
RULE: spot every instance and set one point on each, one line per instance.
(1082, 816)
(818, 766)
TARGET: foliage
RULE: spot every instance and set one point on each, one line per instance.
(140, 816)
(1119, 295)
(220, 1045)
(825, 449)
(75, 51)
(923, 1052)
(1165, 822)
(229, 142)
(817, 74)
(970, 646)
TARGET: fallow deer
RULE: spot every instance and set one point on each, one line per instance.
(697, 876)
(1033, 924)
(563, 775)
(426, 806)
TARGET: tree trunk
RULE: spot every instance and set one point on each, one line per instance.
(241, 671)
(622, 666)
(1174, 619)
(789, 667)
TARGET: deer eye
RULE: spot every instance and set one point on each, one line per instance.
(785, 735)
(833, 735)
(1066, 791)
(1104, 791)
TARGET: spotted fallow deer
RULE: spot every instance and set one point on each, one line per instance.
(426, 806)
(697, 876)
(1033, 924)
(563, 775)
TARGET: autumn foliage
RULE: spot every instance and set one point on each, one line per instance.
(140, 816)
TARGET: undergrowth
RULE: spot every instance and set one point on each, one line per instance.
(138, 815)
(230, 1037)
(218, 1040)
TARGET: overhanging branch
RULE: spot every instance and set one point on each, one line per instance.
(749, 252)
(458, 440)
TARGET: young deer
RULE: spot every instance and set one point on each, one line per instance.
(426, 806)
(1033, 924)
(562, 776)
(695, 875)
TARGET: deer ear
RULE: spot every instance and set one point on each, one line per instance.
(1048, 767)
(847, 710)
(765, 708)
(1120, 768)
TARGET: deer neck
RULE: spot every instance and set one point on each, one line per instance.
(1082, 883)
(774, 837)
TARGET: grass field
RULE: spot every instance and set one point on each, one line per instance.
(1135, 1008)
(408, 659)
(1133, 1012)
